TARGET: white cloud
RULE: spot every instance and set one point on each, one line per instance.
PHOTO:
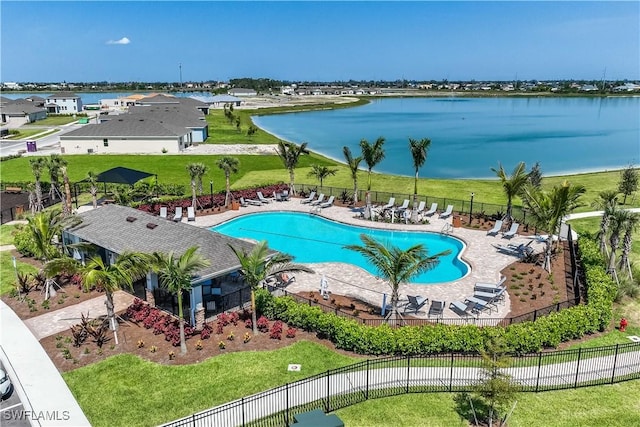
(123, 40)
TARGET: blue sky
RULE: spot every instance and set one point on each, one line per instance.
(146, 41)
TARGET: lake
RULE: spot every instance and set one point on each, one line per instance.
(471, 135)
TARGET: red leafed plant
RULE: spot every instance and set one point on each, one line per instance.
(205, 333)
(276, 330)
(248, 324)
(291, 332)
(263, 324)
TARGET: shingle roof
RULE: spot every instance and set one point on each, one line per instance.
(62, 95)
(174, 114)
(20, 106)
(129, 125)
(108, 227)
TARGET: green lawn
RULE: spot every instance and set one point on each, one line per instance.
(6, 234)
(24, 133)
(125, 390)
(612, 406)
(8, 276)
(56, 120)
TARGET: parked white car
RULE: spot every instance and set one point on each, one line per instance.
(5, 384)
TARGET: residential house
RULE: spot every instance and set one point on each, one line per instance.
(241, 92)
(115, 229)
(17, 112)
(64, 103)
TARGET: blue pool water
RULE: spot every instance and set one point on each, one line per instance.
(315, 239)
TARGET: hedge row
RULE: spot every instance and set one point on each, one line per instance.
(526, 337)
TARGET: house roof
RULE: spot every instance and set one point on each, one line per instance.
(20, 107)
(62, 95)
(120, 229)
(129, 125)
(174, 114)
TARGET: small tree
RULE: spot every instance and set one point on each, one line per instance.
(372, 154)
(535, 176)
(92, 179)
(628, 183)
(354, 164)
(196, 172)
(290, 153)
(228, 165)
(321, 172)
(511, 184)
(37, 166)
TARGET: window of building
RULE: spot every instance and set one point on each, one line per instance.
(105, 142)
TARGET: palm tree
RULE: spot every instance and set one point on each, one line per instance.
(512, 184)
(619, 219)
(549, 208)
(175, 274)
(606, 201)
(372, 155)
(44, 227)
(396, 265)
(290, 153)
(631, 225)
(354, 164)
(67, 191)
(54, 164)
(259, 263)
(92, 179)
(229, 165)
(37, 166)
(419, 150)
(196, 172)
(321, 172)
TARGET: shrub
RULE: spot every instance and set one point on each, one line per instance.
(276, 330)
(263, 324)
(246, 338)
(291, 332)
(205, 333)
(199, 345)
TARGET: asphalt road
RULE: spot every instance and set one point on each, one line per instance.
(11, 410)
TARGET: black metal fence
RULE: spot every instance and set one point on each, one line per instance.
(375, 378)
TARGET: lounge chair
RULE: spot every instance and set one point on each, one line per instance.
(309, 199)
(415, 303)
(328, 203)
(177, 217)
(518, 251)
(481, 304)
(490, 287)
(191, 213)
(448, 212)
(491, 297)
(262, 198)
(512, 231)
(319, 200)
(245, 202)
(163, 212)
(496, 228)
(432, 209)
(436, 309)
(404, 205)
(391, 204)
(278, 197)
(284, 279)
(464, 309)
(421, 207)
(285, 195)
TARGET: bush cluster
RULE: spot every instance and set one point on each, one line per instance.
(162, 323)
(526, 337)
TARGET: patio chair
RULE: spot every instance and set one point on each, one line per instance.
(463, 309)
(491, 297)
(309, 199)
(177, 217)
(243, 202)
(391, 204)
(404, 205)
(421, 207)
(285, 196)
(518, 251)
(249, 202)
(512, 231)
(496, 228)
(432, 209)
(415, 303)
(284, 279)
(191, 213)
(319, 200)
(436, 309)
(490, 287)
(277, 197)
(328, 203)
(262, 198)
(448, 212)
(163, 212)
(481, 304)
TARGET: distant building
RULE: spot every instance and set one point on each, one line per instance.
(241, 92)
(17, 112)
(64, 103)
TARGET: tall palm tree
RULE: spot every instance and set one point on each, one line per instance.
(290, 153)
(92, 179)
(321, 172)
(619, 220)
(372, 154)
(229, 165)
(512, 184)
(631, 225)
(549, 208)
(419, 149)
(67, 191)
(354, 164)
(175, 274)
(37, 166)
(54, 164)
(196, 172)
(606, 201)
(396, 265)
(259, 263)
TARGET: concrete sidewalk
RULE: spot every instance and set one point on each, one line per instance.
(46, 397)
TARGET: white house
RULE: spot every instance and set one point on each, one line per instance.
(18, 112)
(241, 92)
(63, 103)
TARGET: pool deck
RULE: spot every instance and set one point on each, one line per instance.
(345, 279)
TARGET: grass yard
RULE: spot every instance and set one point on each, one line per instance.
(57, 120)
(127, 391)
(612, 406)
(8, 276)
(24, 133)
(6, 234)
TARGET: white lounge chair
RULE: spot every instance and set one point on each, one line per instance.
(262, 198)
(496, 228)
(250, 202)
(309, 199)
(319, 200)
(490, 287)
(328, 203)
(421, 207)
(404, 205)
(433, 209)
(391, 204)
(163, 212)
(512, 231)
(464, 309)
(191, 213)
(177, 217)
(448, 212)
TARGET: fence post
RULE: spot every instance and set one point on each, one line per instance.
(538, 376)
(451, 375)
(535, 315)
(366, 391)
(408, 370)
(615, 360)
(193, 420)
(286, 412)
(326, 406)
(575, 385)
(242, 407)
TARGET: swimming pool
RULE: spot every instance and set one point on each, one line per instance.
(312, 239)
